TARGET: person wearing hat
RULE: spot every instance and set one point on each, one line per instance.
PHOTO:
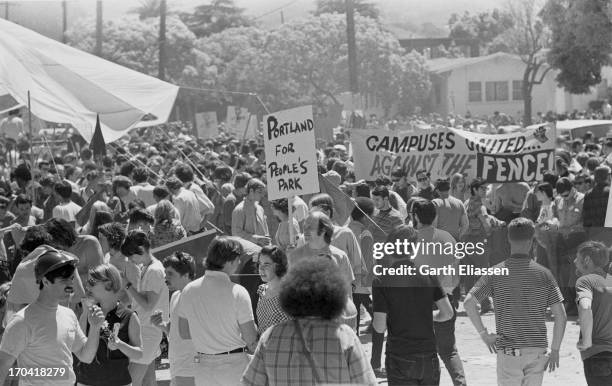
(46, 334)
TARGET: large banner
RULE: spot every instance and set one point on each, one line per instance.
(291, 160)
(514, 157)
(196, 246)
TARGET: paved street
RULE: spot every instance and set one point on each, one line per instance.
(479, 365)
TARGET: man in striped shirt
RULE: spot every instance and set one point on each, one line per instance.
(521, 299)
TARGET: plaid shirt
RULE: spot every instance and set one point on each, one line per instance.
(335, 349)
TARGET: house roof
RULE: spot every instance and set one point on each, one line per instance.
(441, 65)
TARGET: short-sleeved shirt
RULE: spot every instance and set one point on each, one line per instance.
(180, 351)
(407, 300)
(153, 279)
(67, 211)
(214, 308)
(335, 349)
(40, 336)
(450, 211)
(597, 288)
(521, 299)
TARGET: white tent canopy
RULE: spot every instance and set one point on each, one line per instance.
(67, 85)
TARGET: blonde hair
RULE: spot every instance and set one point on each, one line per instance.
(109, 275)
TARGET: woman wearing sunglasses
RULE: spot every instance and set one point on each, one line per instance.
(120, 340)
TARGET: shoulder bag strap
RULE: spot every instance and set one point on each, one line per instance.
(306, 351)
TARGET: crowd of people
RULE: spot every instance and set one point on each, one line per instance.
(284, 285)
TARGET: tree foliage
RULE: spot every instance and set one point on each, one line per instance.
(306, 62)
(133, 43)
(215, 17)
(147, 9)
(485, 26)
(581, 46)
(361, 7)
(529, 38)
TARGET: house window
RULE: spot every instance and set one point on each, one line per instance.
(496, 91)
(475, 90)
(517, 90)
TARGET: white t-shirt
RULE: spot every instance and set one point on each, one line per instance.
(152, 280)
(180, 351)
(144, 191)
(40, 336)
(188, 207)
(67, 211)
(214, 308)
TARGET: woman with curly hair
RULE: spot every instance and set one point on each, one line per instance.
(167, 228)
(313, 347)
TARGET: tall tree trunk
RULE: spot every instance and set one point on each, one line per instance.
(162, 41)
(527, 87)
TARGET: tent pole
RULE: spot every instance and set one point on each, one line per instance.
(31, 140)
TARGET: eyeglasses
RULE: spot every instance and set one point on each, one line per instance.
(422, 179)
(2, 206)
(92, 282)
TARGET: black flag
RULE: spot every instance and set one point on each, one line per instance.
(97, 144)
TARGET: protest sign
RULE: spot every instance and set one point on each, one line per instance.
(291, 161)
(206, 124)
(515, 157)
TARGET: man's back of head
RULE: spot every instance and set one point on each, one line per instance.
(520, 234)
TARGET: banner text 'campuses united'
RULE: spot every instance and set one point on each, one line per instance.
(517, 157)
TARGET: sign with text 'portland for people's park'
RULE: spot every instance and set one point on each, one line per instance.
(291, 160)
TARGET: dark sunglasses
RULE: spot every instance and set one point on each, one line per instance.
(422, 179)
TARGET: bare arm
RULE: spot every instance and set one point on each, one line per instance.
(133, 348)
(249, 334)
(444, 311)
(585, 314)
(380, 322)
(559, 325)
(147, 300)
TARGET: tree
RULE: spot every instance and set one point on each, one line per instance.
(306, 62)
(360, 7)
(147, 9)
(581, 31)
(485, 26)
(133, 44)
(215, 17)
(529, 38)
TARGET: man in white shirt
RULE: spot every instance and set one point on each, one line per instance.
(45, 334)
(142, 188)
(187, 205)
(180, 271)
(206, 207)
(66, 209)
(217, 315)
(12, 126)
(150, 295)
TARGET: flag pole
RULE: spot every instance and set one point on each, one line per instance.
(31, 140)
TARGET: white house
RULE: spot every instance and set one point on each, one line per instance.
(484, 84)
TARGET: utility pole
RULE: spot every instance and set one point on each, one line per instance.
(162, 40)
(64, 21)
(352, 47)
(99, 28)
(6, 10)
(282, 17)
